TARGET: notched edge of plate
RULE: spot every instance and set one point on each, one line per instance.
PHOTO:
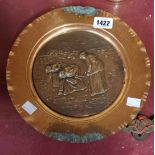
(11, 88)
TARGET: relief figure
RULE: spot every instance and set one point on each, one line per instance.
(70, 80)
(95, 73)
(53, 71)
(65, 77)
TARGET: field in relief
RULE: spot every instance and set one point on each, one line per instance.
(78, 74)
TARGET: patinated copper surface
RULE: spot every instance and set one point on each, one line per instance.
(75, 74)
(128, 55)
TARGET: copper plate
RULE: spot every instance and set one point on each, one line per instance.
(65, 76)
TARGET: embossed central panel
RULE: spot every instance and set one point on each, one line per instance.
(78, 74)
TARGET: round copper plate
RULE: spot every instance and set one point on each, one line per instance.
(66, 77)
(86, 92)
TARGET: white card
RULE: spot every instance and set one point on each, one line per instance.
(29, 107)
(133, 102)
(103, 22)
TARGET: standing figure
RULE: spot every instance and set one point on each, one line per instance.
(95, 72)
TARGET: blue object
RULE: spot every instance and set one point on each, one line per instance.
(73, 138)
(80, 10)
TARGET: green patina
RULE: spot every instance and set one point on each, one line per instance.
(70, 137)
(80, 10)
(73, 138)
